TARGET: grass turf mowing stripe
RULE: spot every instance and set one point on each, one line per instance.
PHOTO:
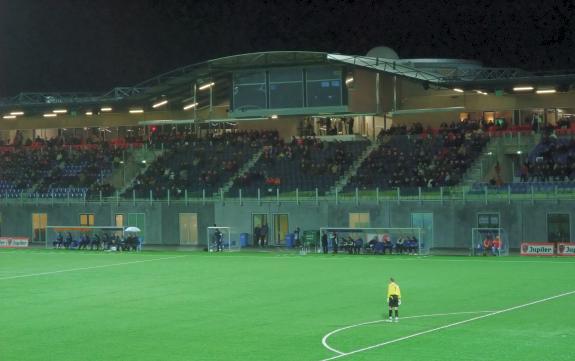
(86, 268)
(340, 355)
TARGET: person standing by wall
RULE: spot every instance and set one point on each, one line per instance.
(324, 242)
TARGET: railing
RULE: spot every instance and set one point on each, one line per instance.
(531, 192)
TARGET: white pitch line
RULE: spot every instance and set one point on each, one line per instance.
(85, 268)
(448, 326)
(325, 338)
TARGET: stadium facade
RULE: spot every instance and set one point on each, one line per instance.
(297, 93)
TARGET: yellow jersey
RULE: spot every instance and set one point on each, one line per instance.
(393, 289)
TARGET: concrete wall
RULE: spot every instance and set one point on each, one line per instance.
(452, 221)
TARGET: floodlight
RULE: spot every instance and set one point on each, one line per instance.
(9, 117)
(458, 90)
(17, 113)
(50, 115)
(190, 106)
(522, 88)
(106, 109)
(206, 86)
(60, 111)
(159, 104)
(546, 91)
(136, 111)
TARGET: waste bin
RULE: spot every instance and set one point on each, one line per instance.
(289, 240)
(244, 239)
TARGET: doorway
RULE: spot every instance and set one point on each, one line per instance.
(558, 227)
(189, 229)
(280, 227)
(258, 222)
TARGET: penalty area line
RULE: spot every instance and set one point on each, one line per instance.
(343, 354)
(86, 268)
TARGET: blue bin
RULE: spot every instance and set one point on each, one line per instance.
(244, 239)
(289, 240)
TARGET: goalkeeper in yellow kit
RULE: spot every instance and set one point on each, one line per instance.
(393, 299)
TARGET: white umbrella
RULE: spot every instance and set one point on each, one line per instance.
(132, 229)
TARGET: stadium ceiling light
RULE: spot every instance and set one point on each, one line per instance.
(519, 152)
(206, 86)
(106, 109)
(60, 111)
(136, 111)
(545, 91)
(50, 115)
(190, 106)
(159, 104)
(274, 116)
(9, 117)
(522, 88)
(481, 92)
(458, 90)
(17, 113)
(89, 113)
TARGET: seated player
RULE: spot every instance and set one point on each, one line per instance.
(106, 241)
(496, 246)
(68, 241)
(59, 241)
(357, 245)
(487, 244)
(84, 241)
(387, 245)
(372, 243)
(413, 245)
(348, 244)
(96, 241)
(379, 246)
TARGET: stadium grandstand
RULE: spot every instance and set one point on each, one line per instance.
(288, 139)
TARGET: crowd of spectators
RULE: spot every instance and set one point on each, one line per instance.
(195, 164)
(418, 157)
(304, 163)
(553, 159)
(57, 166)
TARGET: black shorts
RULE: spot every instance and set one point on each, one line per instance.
(393, 301)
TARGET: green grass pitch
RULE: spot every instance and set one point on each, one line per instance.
(73, 305)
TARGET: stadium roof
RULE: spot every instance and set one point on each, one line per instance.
(178, 83)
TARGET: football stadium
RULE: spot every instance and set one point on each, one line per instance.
(255, 207)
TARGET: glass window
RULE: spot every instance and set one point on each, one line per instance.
(249, 91)
(39, 222)
(488, 220)
(358, 220)
(323, 86)
(86, 219)
(119, 220)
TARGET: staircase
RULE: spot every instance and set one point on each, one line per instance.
(495, 150)
(243, 170)
(136, 163)
(344, 180)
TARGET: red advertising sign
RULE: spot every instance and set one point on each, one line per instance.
(13, 242)
(537, 249)
(566, 249)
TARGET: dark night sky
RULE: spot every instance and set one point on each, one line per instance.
(66, 45)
